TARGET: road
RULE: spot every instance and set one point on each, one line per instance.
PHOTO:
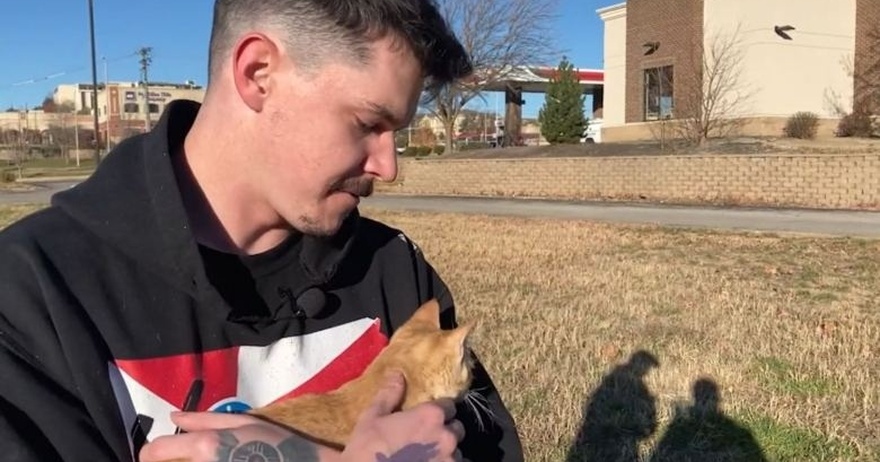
(821, 222)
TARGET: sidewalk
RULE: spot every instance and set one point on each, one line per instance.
(789, 221)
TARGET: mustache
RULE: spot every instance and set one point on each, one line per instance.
(361, 187)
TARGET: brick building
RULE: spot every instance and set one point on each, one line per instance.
(657, 52)
(122, 106)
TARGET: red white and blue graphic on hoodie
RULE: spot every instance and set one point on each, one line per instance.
(240, 378)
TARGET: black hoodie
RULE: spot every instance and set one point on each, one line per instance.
(109, 319)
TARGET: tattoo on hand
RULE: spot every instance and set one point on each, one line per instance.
(228, 442)
(411, 453)
(296, 449)
(293, 449)
(256, 451)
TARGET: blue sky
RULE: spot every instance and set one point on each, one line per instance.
(44, 43)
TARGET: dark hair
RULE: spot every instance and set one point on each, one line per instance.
(316, 29)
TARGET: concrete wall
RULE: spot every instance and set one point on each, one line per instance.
(787, 76)
(834, 181)
(614, 87)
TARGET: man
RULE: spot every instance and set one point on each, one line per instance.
(219, 263)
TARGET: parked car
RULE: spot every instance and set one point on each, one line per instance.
(593, 132)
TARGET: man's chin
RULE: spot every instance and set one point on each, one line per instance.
(356, 199)
(327, 225)
(319, 229)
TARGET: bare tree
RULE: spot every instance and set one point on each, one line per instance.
(867, 77)
(27, 137)
(662, 131)
(833, 99)
(859, 113)
(501, 36)
(865, 118)
(711, 109)
(62, 135)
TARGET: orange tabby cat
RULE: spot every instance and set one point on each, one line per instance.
(435, 362)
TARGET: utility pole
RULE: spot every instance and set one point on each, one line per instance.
(97, 154)
(145, 66)
(107, 98)
(19, 157)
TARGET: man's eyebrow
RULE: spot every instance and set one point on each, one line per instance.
(383, 112)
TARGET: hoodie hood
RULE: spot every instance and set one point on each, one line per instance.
(132, 201)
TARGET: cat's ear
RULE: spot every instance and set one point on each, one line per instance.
(428, 313)
(460, 335)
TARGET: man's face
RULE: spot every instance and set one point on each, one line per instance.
(331, 134)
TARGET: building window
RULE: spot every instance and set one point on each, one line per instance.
(131, 108)
(154, 108)
(659, 87)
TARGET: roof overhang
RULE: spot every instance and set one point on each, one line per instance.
(536, 79)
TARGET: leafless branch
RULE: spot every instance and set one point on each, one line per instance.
(712, 108)
(867, 76)
(500, 36)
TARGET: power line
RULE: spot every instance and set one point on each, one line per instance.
(62, 73)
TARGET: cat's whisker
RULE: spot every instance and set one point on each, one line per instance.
(480, 405)
(484, 402)
(468, 399)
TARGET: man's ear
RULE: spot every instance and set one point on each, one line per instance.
(254, 59)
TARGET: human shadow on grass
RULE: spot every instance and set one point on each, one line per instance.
(702, 433)
(618, 414)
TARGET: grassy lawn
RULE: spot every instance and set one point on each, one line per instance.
(10, 213)
(54, 166)
(608, 341)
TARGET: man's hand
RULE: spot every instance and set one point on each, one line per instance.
(222, 437)
(426, 433)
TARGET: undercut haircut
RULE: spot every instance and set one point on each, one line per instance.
(315, 30)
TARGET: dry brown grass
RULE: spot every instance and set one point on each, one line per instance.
(11, 213)
(787, 328)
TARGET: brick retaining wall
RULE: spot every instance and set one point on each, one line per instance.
(824, 181)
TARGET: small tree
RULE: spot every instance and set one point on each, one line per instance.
(501, 37)
(562, 116)
(49, 105)
(867, 76)
(423, 136)
(468, 121)
(711, 108)
(863, 120)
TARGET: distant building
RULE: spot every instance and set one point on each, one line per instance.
(652, 52)
(122, 105)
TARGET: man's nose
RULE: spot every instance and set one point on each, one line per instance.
(382, 158)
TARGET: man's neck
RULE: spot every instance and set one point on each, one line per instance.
(223, 210)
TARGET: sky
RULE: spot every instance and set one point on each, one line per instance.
(44, 43)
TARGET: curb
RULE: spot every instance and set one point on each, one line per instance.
(51, 179)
